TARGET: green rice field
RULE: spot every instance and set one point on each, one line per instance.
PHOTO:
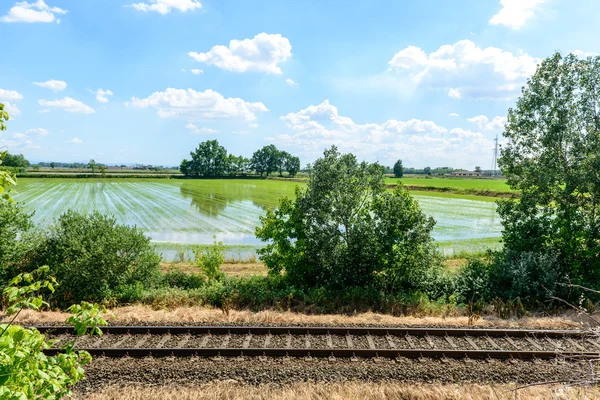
(177, 212)
(481, 184)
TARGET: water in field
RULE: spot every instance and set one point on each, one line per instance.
(192, 212)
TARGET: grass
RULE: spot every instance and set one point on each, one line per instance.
(230, 269)
(347, 391)
(144, 314)
(498, 185)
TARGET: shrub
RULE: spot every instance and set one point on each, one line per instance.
(182, 280)
(210, 259)
(92, 256)
(473, 281)
(14, 223)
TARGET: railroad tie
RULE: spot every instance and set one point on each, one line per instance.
(143, 340)
(554, 343)
(349, 341)
(512, 342)
(390, 341)
(451, 342)
(411, 344)
(430, 341)
(183, 341)
(267, 341)
(370, 341)
(98, 342)
(534, 344)
(123, 340)
(593, 342)
(205, 340)
(307, 341)
(226, 340)
(575, 344)
(288, 341)
(492, 342)
(247, 340)
(164, 340)
(472, 343)
(329, 341)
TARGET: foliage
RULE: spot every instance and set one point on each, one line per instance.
(552, 158)
(25, 371)
(266, 160)
(92, 257)
(182, 280)
(93, 165)
(208, 160)
(346, 230)
(14, 224)
(398, 170)
(14, 160)
(3, 117)
(210, 259)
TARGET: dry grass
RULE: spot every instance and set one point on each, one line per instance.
(235, 269)
(455, 263)
(196, 315)
(346, 391)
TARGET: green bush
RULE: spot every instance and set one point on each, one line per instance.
(14, 223)
(210, 259)
(182, 280)
(93, 257)
(473, 281)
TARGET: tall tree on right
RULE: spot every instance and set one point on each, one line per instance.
(552, 233)
(398, 169)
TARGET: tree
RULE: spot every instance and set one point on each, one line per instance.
(52, 164)
(478, 169)
(15, 160)
(398, 170)
(427, 170)
(346, 230)
(266, 160)
(552, 159)
(208, 160)
(292, 165)
(92, 165)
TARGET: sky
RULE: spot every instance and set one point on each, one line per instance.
(144, 81)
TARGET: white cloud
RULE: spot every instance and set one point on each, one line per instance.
(467, 69)
(52, 84)
(11, 108)
(32, 12)
(484, 123)
(68, 104)
(454, 93)
(200, 131)
(165, 6)
(415, 141)
(454, 115)
(75, 141)
(291, 82)
(253, 125)
(38, 132)
(262, 53)
(515, 13)
(6, 95)
(207, 104)
(19, 135)
(101, 95)
(196, 71)
(584, 54)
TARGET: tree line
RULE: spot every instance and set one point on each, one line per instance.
(210, 160)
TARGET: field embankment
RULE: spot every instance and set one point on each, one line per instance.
(485, 187)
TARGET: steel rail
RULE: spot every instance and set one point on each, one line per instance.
(312, 330)
(336, 353)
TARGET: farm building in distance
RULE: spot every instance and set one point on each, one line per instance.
(465, 173)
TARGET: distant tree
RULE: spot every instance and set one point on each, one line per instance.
(15, 160)
(92, 165)
(266, 160)
(102, 169)
(52, 164)
(398, 170)
(478, 169)
(427, 170)
(292, 165)
(208, 160)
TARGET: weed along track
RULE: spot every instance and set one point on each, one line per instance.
(332, 342)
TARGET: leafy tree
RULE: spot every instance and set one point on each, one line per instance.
(208, 160)
(552, 158)
(52, 165)
(92, 165)
(478, 169)
(398, 170)
(266, 160)
(427, 170)
(345, 230)
(94, 258)
(292, 165)
(14, 160)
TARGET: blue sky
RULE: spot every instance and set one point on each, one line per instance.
(126, 81)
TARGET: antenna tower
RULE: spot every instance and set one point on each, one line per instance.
(495, 159)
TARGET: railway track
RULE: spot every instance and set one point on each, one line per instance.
(332, 342)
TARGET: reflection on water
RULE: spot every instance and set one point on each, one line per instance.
(194, 211)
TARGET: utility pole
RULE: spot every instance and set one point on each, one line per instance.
(495, 159)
